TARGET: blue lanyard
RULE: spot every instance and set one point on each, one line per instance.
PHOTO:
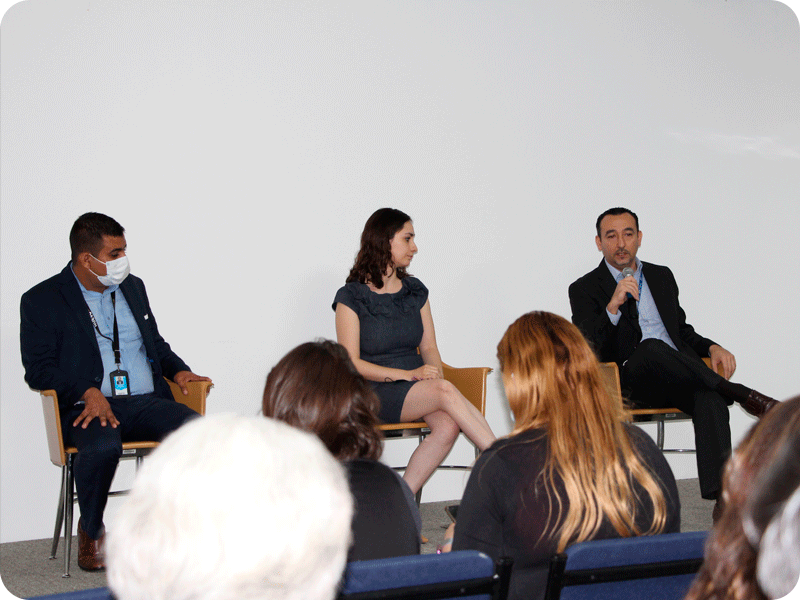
(637, 302)
(639, 275)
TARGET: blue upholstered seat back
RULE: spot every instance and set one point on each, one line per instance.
(634, 551)
(102, 593)
(424, 569)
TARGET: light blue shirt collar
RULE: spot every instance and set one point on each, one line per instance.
(109, 289)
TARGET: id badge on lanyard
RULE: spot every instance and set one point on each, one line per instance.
(119, 383)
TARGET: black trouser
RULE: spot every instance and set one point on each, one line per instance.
(141, 418)
(659, 376)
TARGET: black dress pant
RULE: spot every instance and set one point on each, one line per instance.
(659, 376)
(141, 418)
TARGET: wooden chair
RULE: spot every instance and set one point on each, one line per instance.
(471, 382)
(655, 567)
(659, 416)
(63, 456)
(428, 577)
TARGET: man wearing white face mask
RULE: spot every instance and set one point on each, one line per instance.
(89, 333)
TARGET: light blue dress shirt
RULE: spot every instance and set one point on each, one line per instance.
(131, 344)
(649, 319)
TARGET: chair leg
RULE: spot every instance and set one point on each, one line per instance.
(59, 514)
(69, 503)
(418, 495)
(660, 434)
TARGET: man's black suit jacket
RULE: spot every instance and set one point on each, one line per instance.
(589, 295)
(59, 346)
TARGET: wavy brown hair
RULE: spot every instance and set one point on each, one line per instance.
(316, 387)
(729, 568)
(375, 254)
(553, 382)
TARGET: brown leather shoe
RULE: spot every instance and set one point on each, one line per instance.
(90, 552)
(758, 404)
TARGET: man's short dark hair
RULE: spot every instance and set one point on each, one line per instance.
(615, 212)
(88, 231)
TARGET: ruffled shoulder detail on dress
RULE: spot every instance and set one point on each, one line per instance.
(416, 288)
(412, 296)
(352, 295)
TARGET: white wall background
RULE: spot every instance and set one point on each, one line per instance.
(243, 144)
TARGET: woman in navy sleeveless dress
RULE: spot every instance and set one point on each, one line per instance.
(383, 318)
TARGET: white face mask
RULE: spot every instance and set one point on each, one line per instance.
(116, 271)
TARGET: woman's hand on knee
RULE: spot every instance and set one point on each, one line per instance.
(426, 372)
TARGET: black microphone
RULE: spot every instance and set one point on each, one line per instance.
(634, 310)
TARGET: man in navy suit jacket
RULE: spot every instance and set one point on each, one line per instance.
(89, 334)
(629, 311)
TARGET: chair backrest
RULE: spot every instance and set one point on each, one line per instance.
(610, 373)
(52, 426)
(428, 576)
(657, 567)
(196, 398)
(471, 382)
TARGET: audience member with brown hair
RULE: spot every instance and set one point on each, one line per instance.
(772, 521)
(315, 387)
(729, 568)
(571, 470)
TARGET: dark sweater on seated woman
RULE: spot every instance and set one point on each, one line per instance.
(386, 520)
(506, 507)
(316, 387)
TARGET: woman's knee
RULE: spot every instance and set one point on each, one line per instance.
(443, 426)
(448, 394)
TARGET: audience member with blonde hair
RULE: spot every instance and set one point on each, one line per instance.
(571, 470)
(316, 387)
(761, 474)
(233, 508)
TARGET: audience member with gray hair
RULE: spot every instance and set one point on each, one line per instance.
(233, 507)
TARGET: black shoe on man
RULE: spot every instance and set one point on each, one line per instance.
(758, 404)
